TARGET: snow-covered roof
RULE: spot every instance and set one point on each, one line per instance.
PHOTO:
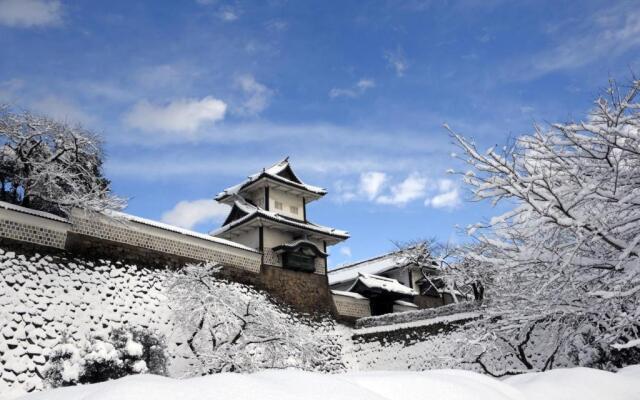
(25, 210)
(386, 284)
(296, 243)
(376, 265)
(353, 295)
(253, 212)
(280, 172)
(156, 224)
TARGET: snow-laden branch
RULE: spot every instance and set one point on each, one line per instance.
(569, 248)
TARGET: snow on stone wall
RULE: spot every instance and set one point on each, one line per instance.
(43, 298)
(416, 315)
(350, 304)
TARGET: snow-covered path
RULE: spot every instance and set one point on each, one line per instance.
(561, 384)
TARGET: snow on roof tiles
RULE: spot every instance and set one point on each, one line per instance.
(25, 210)
(376, 265)
(348, 294)
(387, 284)
(274, 172)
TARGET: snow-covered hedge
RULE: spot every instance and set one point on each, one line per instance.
(410, 316)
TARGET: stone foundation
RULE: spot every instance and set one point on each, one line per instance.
(307, 292)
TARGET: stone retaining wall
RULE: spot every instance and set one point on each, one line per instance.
(305, 291)
(43, 297)
(350, 307)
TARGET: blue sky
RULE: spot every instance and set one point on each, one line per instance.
(193, 96)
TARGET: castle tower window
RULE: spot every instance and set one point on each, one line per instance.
(293, 209)
(278, 205)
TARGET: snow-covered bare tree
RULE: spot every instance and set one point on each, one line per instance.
(231, 327)
(444, 267)
(568, 249)
(51, 166)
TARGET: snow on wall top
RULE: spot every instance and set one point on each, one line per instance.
(275, 172)
(388, 284)
(376, 265)
(349, 294)
(25, 210)
(156, 224)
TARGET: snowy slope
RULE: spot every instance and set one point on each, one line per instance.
(575, 384)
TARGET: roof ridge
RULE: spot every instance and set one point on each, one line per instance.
(355, 264)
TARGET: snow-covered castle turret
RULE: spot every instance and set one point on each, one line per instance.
(268, 213)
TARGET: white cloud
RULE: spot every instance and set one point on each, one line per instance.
(607, 33)
(397, 61)
(60, 109)
(277, 25)
(345, 251)
(258, 95)
(357, 90)
(371, 183)
(187, 214)
(448, 195)
(30, 13)
(184, 115)
(412, 188)
(228, 14)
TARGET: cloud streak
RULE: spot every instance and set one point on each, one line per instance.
(30, 13)
(606, 33)
(356, 90)
(257, 95)
(397, 61)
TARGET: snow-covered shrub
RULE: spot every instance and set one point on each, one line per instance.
(64, 366)
(103, 357)
(231, 327)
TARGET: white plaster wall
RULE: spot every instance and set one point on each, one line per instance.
(287, 200)
(275, 237)
(257, 197)
(163, 240)
(249, 239)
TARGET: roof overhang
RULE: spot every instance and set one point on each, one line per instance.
(272, 181)
(258, 220)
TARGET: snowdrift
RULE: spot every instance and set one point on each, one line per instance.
(561, 384)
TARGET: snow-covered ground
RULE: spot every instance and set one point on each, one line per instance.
(560, 384)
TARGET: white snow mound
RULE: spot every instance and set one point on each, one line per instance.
(576, 383)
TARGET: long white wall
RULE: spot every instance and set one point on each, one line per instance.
(22, 224)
